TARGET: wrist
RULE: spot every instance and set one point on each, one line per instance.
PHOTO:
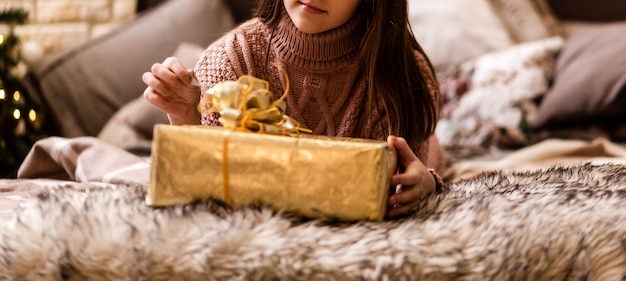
(439, 183)
(193, 118)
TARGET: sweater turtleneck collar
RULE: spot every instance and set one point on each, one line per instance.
(327, 50)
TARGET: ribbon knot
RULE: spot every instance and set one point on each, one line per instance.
(248, 105)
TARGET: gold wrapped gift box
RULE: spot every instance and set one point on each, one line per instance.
(317, 177)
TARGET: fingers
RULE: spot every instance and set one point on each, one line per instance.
(169, 75)
(405, 201)
(414, 178)
(194, 81)
(400, 203)
(169, 82)
(158, 85)
(170, 88)
(415, 186)
(399, 210)
(405, 154)
(155, 98)
(407, 176)
(409, 164)
(409, 195)
(180, 71)
(156, 92)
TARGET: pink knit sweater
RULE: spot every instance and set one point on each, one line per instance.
(328, 86)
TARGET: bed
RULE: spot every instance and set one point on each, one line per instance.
(92, 223)
(536, 177)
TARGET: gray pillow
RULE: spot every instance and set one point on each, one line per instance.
(84, 86)
(590, 79)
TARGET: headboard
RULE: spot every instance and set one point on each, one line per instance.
(143, 5)
(575, 10)
(585, 10)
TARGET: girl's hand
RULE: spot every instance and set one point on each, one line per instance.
(414, 179)
(170, 89)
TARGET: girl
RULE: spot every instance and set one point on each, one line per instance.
(355, 70)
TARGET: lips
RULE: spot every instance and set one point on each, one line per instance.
(311, 9)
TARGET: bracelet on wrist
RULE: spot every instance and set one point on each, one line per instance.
(439, 184)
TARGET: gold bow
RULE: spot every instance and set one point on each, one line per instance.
(248, 105)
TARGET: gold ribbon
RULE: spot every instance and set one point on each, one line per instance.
(248, 105)
(226, 171)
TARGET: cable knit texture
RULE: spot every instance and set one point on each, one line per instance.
(327, 85)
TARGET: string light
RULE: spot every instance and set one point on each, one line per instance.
(32, 115)
(19, 121)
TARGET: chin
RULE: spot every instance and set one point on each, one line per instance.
(310, 28)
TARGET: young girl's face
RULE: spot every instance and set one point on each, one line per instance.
(315, 16)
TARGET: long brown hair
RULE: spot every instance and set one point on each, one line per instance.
(389, 59)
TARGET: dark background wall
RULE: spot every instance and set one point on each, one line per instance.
(589, 10)
(143, 5)
(582, 10)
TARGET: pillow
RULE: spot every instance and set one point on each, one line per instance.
(117, 131)
(496, 95)
(527, 20)
(590, 79)
(571, 28)
(135, 121)
(84, 86)
(454, 31)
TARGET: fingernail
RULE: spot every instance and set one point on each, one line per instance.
(195, 82)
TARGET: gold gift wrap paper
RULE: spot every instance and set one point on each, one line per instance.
(317, 177)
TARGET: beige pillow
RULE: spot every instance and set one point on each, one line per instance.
(455, 31)
(527, 20)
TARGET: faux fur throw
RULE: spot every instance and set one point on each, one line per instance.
(562, 223)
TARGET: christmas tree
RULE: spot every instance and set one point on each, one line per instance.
(20, 120)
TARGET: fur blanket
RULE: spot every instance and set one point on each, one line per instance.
(562, 223)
